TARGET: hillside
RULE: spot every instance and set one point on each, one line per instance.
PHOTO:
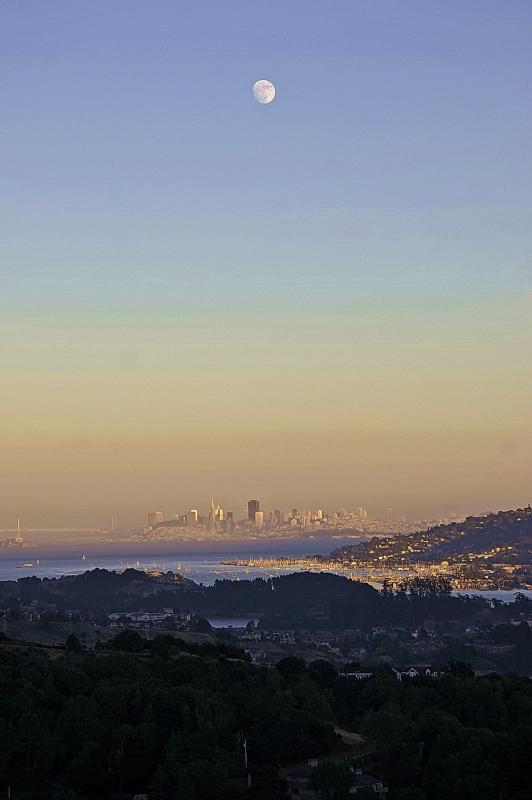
(300, 600)
(503, 538)
(177, 722)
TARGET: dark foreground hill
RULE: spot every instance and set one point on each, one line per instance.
(172, 721)
(300, 600)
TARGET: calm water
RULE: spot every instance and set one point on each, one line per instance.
(231, 622)
(202, 567)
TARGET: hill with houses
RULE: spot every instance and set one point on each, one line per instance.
(504, 537)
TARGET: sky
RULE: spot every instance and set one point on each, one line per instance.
(320, 302)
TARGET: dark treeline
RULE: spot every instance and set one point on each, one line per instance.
(299, 600)
(171, 719)
(461, 737)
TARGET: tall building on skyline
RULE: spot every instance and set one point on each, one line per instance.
(212, 515)
(216, 515)
(154, 517)
(277, 516)
(253, 507)
(19, 539)
(259, 519)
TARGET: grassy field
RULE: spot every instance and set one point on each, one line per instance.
(56, 633)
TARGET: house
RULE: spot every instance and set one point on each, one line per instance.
(250, 636)
(299, 784)
(299, 781)
(257, 656)
(356, 675)
(433, 672)
(407, 673)
(427, 647)
(142, 617)
(286, 637)
(418, 672)
(122, 796)
(364, 783)
(496, 649)
(322, 638)
(357, 653)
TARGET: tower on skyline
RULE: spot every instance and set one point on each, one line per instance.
(253, 507)
(212, 515)
(154, 517)
(277, 516)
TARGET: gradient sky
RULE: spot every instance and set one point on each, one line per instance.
(325, 301)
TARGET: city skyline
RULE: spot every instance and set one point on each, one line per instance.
(241, 511)
(204, 294)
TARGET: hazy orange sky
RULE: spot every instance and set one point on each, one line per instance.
(322, 302)
(424, 411)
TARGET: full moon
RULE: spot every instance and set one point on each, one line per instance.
(263, 91)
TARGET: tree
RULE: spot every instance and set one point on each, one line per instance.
(201, 625)
(333, 780)
(128, 640)
(291, 667)
(73, 644)
(323, 671)
(461, 669)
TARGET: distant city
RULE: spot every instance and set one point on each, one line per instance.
(220, 523)
(217, 523)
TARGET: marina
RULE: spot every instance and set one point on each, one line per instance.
(206, 568)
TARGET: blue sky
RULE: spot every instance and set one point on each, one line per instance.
(396, 157)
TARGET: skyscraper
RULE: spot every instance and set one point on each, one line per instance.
(259, 519)
(154, 517)
(253, 507)
(277, 516)
(18, 539)
(212, 516)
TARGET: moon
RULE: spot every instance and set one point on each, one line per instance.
(263, 91)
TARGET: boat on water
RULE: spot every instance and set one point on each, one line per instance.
(26, 565)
